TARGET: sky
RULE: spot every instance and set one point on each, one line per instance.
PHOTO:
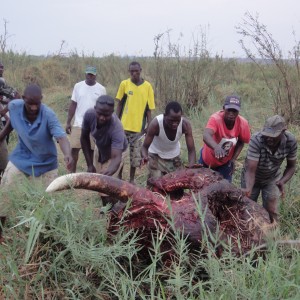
(128, 27)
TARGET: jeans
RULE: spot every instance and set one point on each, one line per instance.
(225, 170)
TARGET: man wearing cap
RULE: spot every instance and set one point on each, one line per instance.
(84, 97)
(224, 137)
(261, 173)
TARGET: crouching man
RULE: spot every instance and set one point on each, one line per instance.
(261, 173)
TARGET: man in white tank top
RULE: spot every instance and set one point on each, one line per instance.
(161, 147)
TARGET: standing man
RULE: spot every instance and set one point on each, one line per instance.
(107, 131)
(36, 124)
(161, 148)
(266, 153)
(84, 97)
(135, 102)
(224, 137)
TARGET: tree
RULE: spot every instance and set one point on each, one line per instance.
(285, 84)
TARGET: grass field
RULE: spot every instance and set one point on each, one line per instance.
(57, 246)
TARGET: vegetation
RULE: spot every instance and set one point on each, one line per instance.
(57, 246)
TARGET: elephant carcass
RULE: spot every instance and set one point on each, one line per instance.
(209, 204)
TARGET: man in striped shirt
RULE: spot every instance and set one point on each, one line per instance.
(261, 173)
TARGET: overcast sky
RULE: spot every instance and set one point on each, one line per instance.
(128, 27)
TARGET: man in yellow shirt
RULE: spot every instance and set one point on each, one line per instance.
(135, 102)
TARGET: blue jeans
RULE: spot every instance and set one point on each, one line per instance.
(225, 170)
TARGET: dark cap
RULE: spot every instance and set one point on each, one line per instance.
(232, 102)
(274, 126)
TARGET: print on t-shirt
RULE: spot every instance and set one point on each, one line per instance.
(227, 144)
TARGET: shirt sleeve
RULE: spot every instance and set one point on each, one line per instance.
(55, 127)
(117, 138)
(86, 122)
(253, 152)
(74, 93)
(212, 124)
(293, 152)
(121, 91)
(151, 103)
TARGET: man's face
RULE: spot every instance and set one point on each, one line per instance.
(1, 70)
(90, 79)
(104, 113)
(32, 104)
(173, 119)
(230, 115)
(272, 142)
(135, 72)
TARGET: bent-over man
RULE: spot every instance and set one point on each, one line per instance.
(261, 173)
(161, 147)
(224, 137)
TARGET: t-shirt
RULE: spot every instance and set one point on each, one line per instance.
(227, 138)
(107, 137)
(268, 167)
(85, 96)
(35, 153)
(137, 99)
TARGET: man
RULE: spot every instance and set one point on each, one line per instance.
(135, 102)
(35, 154)
(224, 137)
(108, 134)
(267, 151)
(6, 92)
(161, 147)
(84, 97)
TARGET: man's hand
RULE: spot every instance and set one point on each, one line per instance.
(68, 128)
(280, 185)
(91, 169)
(144, 161)
(246, 192)
(68, 161)
(219, 152)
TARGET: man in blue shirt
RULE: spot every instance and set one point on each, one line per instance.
(36, 124)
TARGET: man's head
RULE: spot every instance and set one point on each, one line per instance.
(104, 109)
(32, 99)
(1, 69)
(135, 71)
(172, 115)
(232, 106)
(90, 75)
(273, 130)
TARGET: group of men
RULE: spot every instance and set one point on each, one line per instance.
(105, 136)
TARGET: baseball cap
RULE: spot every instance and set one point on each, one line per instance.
(91, 70)
(274, 126)
(233, 102)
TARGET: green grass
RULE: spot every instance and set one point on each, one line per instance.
(57, 245)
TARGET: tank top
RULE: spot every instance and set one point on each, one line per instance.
(161, 145)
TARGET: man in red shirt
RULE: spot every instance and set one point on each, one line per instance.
(224, 137)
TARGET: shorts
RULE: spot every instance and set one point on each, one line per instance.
(269, 192)
(74, 139)
(158, 166)
(13, 174)
(3, 155)
(135, 144)
(102, 166)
